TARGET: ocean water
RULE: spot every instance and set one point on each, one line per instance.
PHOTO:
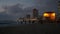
(7, 23)
(14, 23)
(11, 23)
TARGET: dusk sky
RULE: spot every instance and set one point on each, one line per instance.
(12, 9)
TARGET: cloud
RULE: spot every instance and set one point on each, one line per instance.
(14, 9)
(12, 12)
(17, 10)
(46, 5)
(2, 10)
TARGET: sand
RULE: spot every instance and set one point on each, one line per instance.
(31, 29)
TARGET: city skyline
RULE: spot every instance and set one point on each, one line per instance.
(12, 9)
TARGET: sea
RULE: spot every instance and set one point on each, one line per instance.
(15, 23)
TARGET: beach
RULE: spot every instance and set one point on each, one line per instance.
(31, 29)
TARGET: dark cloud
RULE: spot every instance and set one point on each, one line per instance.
(12, 12)
(46, 5)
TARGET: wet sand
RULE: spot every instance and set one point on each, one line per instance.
(31, 29)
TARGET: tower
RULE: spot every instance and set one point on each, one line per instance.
(58, 5)
(58, 8)
(35, 13)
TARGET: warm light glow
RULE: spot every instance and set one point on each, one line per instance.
(46, 15)
(53, 14)
(33, 19)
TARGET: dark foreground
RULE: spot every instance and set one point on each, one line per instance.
(31, 29)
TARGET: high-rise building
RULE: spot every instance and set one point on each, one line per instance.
(58, 8)
(58, 5)
(35, 13)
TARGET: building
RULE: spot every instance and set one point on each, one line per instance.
(35, 13)
(58, 8)
(49, 15)
(28, 16)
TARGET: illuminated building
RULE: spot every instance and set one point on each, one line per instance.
(49, 15)
(35, 13)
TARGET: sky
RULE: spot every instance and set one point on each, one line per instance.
(13, 9)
